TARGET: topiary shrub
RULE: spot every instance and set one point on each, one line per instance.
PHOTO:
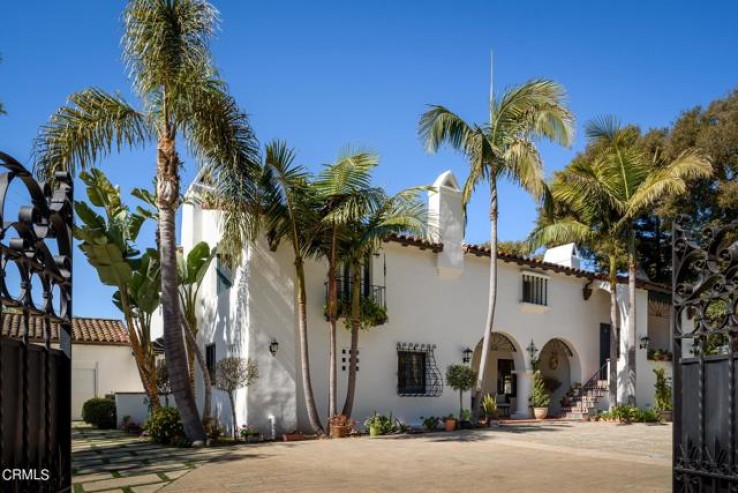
(99, 412)
(165, 426)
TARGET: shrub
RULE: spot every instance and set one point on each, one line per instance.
(165, 426)
(663, 391)
(99, 412)
(129, 426)
(383, 424)
(461, 378)
(489, 405)
(431, 422)
(539, 396)
(465, 415)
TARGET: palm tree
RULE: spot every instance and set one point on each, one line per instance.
(570, 217)
(166, 49)
(627, 181)
(345, 190)
(291, 212)
(192, 269)
(387, 216)
(502, 148)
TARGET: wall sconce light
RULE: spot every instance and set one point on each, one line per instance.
(644, 342)
(467, 355)
(273, 346)
(532, 350)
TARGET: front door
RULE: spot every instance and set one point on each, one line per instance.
(506, 380)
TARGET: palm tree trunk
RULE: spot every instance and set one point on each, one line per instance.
(488, 324)
(233, 414)
(144, 368)
(630, 354)
(614, 339)
(332, 310)
(348, 405)
(304, 353)
(174, 346)
(196, 353)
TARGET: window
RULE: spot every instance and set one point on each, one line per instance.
(210, 360)
(224, 275)
(417, 374)
(411, 372)
(535, 288)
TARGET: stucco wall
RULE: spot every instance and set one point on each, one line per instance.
(426, 305)
(115, 371)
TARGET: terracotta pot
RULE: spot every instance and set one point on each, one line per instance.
(340, 431)
(666, 416)
(540, 412)
(450, 424)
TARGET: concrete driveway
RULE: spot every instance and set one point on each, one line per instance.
(546, 456)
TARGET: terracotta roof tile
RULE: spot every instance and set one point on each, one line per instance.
(422, 243)
(483, 251)
(84, 330)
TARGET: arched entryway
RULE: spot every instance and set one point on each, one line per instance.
(560, 369)
(504, 361)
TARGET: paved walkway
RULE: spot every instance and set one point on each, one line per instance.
(547, 456)
(109, 460)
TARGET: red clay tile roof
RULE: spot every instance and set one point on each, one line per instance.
(422, 243)
(84, 330)
(482, 251)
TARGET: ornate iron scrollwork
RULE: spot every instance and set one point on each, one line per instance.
(36, 243)
(705, 296)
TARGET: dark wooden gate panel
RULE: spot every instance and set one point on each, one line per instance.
(705, 322)
(35, 378)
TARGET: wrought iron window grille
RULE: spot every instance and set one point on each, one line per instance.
(417, 372)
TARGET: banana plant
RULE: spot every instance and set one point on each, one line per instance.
(108, 243)
(191, 271)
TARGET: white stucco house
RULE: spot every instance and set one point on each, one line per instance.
(435, 292)
(102, 359)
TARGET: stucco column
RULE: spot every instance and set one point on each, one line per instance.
(626, 345)
(525, 379)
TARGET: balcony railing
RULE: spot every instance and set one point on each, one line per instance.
(370, 294)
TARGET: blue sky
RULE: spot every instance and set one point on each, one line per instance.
(323, 74)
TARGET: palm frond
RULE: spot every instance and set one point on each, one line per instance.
(667, 181)
(566, 230)
(524, 165)
(87, 129)
(439, 125)
(165, 37)
(533, 109)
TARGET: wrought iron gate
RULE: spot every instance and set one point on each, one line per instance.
(705, 322)
(36, 295)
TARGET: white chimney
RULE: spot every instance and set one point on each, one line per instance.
(446, 224)
(564, 255)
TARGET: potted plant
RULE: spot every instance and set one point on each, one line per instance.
(378, 424)
(450, 422)
(431, 423)
(489, 408)
(341, 425)
(539, 396)
(663, 403)
(461, 378)
(250, 434)
(465, 419)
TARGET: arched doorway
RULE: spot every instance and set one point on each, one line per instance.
(500, 377)
(557, 364)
